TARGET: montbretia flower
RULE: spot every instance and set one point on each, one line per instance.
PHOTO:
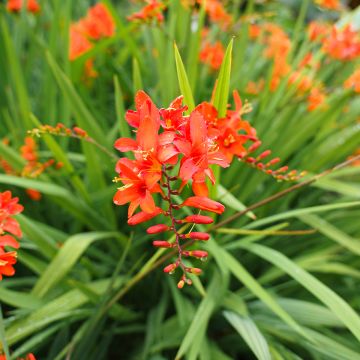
(151, 11)
(329, 4)
(342, 44)
(316, 99)
(97, 24)
(353, 81)
(171, 150)
(16, 5)
(27, 357)
(212, 54)
(9, 228)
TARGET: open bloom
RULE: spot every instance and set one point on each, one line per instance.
(136, 189)
(16, 5)
(212, 54)
(353, 82)
(151, 11)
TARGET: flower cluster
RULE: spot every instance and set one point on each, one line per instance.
(212, 54)
(329, 4)
(16, 6)
(96, 25)
(9, 228)
(152, 11)
(172, 150)
(33, 166)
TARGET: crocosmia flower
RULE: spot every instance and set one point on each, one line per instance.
(16, 5)
(151, 11)
(9, 228)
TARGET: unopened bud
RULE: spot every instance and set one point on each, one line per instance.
(80, 132)
(156, 229)
(250, 160)
(198, 219)
(195, 271)
(273, 161)
(198, 253)
(264, 154)
(162, 244)
(282, 169)
(181, 284)
(254, 146)
(198, 236)
(170, 268)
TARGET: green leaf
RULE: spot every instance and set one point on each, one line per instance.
(65, 259)
(333, 301)
(183, 81)
(253, 285)
(332, 232)
(137, 81)
(248, 330)
(230, 200)
(19, 299)
(221, 96)
(201, 317)
(83, 115)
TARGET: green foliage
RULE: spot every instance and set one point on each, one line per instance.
(281, 282)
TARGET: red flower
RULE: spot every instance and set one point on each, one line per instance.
(16, 5)
(199, 152)
(204, 203)
(79, 44)
(98, 23)
(342, 44)
(212, 54)
(152, 11)
(135, 190)
(353, 81)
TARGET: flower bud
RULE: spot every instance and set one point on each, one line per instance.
(198, 219)
(80, 132)
(198, 236)
(157, 229)
(264, 154)
(162, 244)
(198, 253)
(181, 284)
(273, 161)
(254, 146)
(195, 271)
(204, 203)
(170, 268)
(142, 216)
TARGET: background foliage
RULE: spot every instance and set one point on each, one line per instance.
(88, 286)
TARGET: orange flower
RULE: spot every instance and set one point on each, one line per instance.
(153, 10)
(329, 4)
(303, 83)
(254, 31)
(356, 162)
(204, 203)
(318, 30)
(16, 5)
(342, 44)
(27, 357)
(79, 44)
(217, 13)
(353, 81)
(34, 194)
(98, 23)
(28, 150)
(316, 99)
(212, 54)
(255, 88)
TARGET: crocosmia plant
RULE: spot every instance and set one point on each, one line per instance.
(179, 179)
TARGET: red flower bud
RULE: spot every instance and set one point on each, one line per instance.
(264, 154)
(250, 160)
(156, 229)
(254, 146)
(198, 219)
(170, 268)
(198, 236)
(181, 284)
(198, 253)
(204, 203)
(162, 244)
(282, 169)
(195, 271)
(80, 132)
(143, 216)
(273, 161)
